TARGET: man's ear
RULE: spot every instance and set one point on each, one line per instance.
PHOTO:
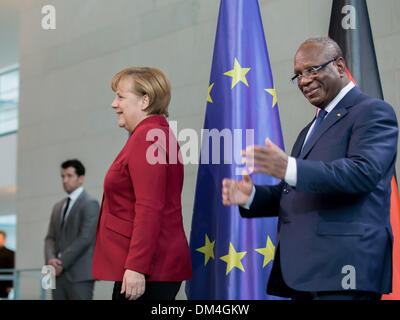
(81, 179)
(341, 64)
(146, 102)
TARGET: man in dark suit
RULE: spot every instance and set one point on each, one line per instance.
(6, 262)
(69, 243)
(334, 239)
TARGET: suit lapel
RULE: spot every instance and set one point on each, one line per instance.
(335, 115)
(58, 212)
(300, 141)
(74, 208)
(338, 113)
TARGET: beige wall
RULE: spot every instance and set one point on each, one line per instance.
(65, 93)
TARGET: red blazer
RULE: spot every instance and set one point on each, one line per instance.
(140, 225)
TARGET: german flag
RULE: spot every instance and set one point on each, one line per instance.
(350, 27)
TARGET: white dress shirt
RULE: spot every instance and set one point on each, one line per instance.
(291, 169)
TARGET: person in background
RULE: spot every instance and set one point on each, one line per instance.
(140, 240)
(70, 238)
(6, 262)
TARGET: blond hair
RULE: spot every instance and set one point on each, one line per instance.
(150, 81)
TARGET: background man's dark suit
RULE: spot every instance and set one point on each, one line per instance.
(6, 262)
(338, 213)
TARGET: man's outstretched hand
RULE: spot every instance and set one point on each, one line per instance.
(269, 159)
(237, 192)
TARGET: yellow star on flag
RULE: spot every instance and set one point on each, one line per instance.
(272, 92)
(238, 74)
(233, 259)
(209, 90)
(268, 252)
(207, 249)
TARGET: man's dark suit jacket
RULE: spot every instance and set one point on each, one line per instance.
(6, 262)
(338, 214)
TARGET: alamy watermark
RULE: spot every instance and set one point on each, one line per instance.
(49, 18)
(349, 280)
(49, 277)
(217, 146)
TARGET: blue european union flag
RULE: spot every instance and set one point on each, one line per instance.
(232, 257)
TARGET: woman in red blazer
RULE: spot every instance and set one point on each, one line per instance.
(140, 240)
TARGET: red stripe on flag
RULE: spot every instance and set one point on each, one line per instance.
(395, 222)
(350, 76)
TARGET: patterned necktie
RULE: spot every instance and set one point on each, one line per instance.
(65, 211)
(320, 116)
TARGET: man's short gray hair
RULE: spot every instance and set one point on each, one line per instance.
(327, 43)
